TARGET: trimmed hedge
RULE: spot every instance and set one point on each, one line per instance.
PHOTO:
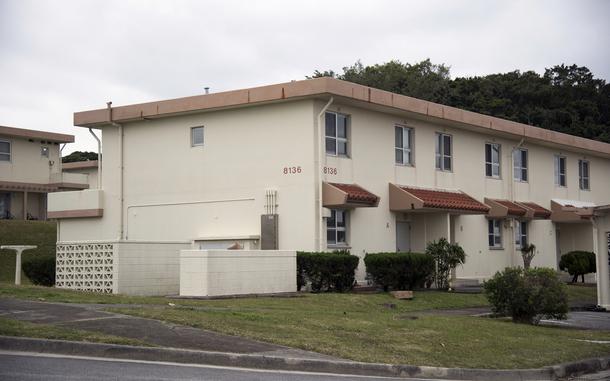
(578, 263)
(334, 271)
(399, 271)
(40, 270)
(527, 295)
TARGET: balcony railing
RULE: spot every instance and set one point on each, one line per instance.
(77, 204)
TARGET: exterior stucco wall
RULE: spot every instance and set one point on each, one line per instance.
(27, 165)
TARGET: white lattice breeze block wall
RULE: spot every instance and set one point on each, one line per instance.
(86, 266)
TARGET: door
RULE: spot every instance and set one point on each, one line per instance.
(403, 236)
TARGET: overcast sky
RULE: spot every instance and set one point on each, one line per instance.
(58, 57)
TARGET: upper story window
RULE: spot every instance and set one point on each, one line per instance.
(444, 152)
(560, 171)
(583, 175)
(44, 151)
(336, 134)
(492, 160)
(5, 150)
(520, 233)
(336, 227)
(403, 145)
(520, 164)
(196, 136)
(494, 233)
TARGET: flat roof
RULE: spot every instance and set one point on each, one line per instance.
(35, 134)
(80, 164)
(347, 91)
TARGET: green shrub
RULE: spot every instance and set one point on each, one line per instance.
(447, 257)
(40, 270)
(399, 271)
(527, 295)
(578, 263)
(327, 271)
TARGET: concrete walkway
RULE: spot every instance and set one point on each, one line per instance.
(90, 317)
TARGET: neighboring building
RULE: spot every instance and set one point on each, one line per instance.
(340, 166)
(30, 167)
(88, 168)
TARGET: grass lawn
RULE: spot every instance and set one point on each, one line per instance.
(582, 294)
(17, 232)
(362, 327)
(11, 327)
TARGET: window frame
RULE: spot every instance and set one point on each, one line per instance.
(491, 163)
(557, 171)
(521, 234)
(336, 228)
(439, 152)
(45, 151)
(336, 136)
(491, 234)
(8, 154)
(581, 177)
(521, 167)
(193, 144)
(405, 150)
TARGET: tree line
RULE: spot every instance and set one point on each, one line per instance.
(565, 98)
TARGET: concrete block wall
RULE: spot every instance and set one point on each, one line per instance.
(237, 272)
(148, 268)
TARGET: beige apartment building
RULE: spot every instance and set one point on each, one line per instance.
(30, 167)
(324, 164)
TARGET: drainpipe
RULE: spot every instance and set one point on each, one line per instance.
(121, 170)
(319, 178)
(99, 159)
(512, 190)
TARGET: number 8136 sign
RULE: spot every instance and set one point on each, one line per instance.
(292, 170)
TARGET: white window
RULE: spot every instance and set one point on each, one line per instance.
(336, 134)
(520, 233)
(403, 145)
(494, 233)
(520, 164)
(336, 227)
(443, 152)
(560, 170)
(492, 160)
(5, 150)
(196, 136)
(44, 151)
(583, 175)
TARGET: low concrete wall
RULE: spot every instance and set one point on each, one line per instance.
(237, 272)
(148, 268)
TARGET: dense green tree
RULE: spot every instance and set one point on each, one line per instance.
(79, 156)
(565, 98)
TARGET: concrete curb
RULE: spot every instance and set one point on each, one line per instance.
(186, 356)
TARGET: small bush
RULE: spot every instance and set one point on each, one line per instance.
(40, 270)
(578, 263)
(447, 257)
(399, 271)
(327, 271)
(527, 295)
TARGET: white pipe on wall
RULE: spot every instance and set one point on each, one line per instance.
(99, 159)
(318, 167)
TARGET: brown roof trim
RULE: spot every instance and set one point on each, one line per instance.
(79, 213)
(412, 199)
(504, 208)
(35, 134)
(334, 87)
(27, 187)
(336, 195)
(80, 164)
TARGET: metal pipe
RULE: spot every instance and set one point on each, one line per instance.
(318, 167)
(99, 159)
(121, 171)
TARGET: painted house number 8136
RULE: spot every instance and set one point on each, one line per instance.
(292, 170)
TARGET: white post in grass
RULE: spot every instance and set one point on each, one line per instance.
(18, 249)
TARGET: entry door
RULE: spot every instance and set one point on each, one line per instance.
(403, 236)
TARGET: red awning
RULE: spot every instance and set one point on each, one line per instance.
(535, 211)
(504, 208)
(335, 195)
(410, 199)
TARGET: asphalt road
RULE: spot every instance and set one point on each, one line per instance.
(20, 366)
